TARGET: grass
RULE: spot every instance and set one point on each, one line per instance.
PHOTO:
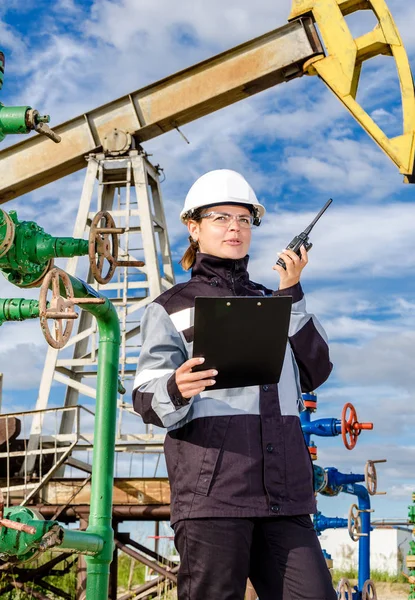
(377, 576)
(127, 574)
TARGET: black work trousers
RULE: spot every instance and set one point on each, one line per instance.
(281, 556)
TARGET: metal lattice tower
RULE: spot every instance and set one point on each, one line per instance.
(129, 189)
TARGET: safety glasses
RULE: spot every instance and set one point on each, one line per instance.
(222, 219)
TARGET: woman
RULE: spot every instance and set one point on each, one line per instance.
(240, 474)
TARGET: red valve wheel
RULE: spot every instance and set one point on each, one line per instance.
(103, 245)
(348, 421)
(351, 427)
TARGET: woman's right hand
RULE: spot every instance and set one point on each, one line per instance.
(189, 383)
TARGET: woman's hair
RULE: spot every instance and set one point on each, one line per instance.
(189, 257)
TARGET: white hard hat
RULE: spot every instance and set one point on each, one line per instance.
(222, 186)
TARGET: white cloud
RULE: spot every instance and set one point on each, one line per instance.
(402, 492)
(217, 24)
(328, 301)
(351, 242)
(344, 164)
(380, 115)
(386, 359)
(21, 365)
(13, 47)
(357, 329)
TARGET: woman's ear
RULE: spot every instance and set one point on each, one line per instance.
(193, 228)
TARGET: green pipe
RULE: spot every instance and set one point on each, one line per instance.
(82, 542)
(100, 516)
(98, 539)
(13, 119)
(23, 544)
(18, 309)
(47, 247)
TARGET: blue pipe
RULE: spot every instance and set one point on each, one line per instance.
(321, 523)
(338, 480)
(364, 542)
(347, 483)
(320, 427)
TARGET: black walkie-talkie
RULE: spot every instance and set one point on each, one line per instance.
(302, 238)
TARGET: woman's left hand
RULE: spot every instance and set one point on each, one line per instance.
(294, 265)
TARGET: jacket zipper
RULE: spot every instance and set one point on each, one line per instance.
(232, 280)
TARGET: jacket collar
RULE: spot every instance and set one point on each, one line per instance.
(212, 267)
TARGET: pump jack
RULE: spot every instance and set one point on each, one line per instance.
(275, 57)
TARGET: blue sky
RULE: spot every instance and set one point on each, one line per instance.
(297, 146)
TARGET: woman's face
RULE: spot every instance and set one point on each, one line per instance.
(230, 241)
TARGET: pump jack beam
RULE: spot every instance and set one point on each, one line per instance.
(238, 73)
(280, 55)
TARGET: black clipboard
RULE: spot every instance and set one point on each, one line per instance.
(244, 338)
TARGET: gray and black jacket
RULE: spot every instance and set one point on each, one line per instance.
(236, 452)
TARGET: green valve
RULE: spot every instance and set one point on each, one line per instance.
(24, 535)
(18, 309)
(27, 251)
(13, 119)
(19, 546)
(22, 119)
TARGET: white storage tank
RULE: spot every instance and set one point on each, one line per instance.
(388, 549)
